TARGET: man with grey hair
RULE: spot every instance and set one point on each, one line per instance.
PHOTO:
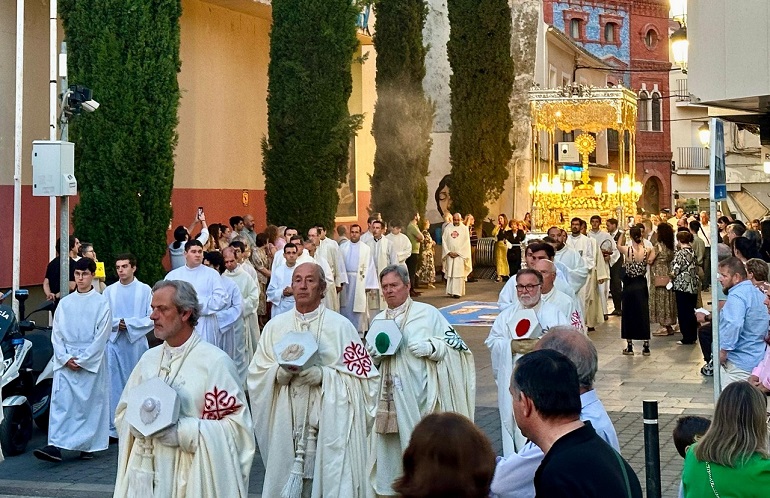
(515, 474)
(317, 414)
(431, 371)
(208, 451)
(515, 332)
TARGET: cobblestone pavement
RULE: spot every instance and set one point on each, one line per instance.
(670, 376)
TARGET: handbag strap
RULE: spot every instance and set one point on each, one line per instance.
(711, 479)
(625, 473)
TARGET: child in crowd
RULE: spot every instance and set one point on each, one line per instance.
(687, 430)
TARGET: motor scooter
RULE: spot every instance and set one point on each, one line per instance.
(26, 374)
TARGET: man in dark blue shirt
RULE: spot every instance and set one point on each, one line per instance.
(546, 406)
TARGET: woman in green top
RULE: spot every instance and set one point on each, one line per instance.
(731, 460)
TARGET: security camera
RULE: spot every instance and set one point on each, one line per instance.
(90, 105)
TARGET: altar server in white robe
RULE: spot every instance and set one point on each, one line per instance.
(536, 251)
(568, 261)
(401, 244)
(329, 250)
(130, 305)
(208, 452)
(80, 408)
(279, 291)
(208, 286)
(250, 297)
(230, 318)
(608, 253)
(431, 371)
(383, 254)
(312, 426)
(456, 242)
(362, 276)
(507, 344)
(586, 247)
(328, 300)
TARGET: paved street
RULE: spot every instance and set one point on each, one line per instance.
(670, 375)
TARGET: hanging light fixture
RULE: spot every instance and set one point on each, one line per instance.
(679, 47)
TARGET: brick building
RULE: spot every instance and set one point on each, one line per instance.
(632, 36)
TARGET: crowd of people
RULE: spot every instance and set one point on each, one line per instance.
(233, 297)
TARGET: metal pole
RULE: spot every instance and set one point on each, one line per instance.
(53, 106)
(17, 146)
(651, 448)
(714, 265)
(64, 213)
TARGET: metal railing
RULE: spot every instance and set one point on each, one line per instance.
(693, 158)
(682, 95)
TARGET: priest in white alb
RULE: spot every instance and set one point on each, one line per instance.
(383, 254)
(130, 305)
(607, 253)
(431, 371)
(512, 336)
(361, 275)
(279, 290)
(329, 250)
(568, 261)
(230, 318)
(312, 426)
(550, 294)
(250, 303)
(209, 450)
(456, 242)
(80, 404)
(208, 286)
(330, 293)
(401, 244)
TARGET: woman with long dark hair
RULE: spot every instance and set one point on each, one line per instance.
(635, 321)
(662, 299)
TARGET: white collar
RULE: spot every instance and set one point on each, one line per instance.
(392, 313)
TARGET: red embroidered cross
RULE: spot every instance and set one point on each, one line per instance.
(575, 318)
(357, 359)
(219, 404)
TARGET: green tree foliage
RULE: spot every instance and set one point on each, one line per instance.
(403, 117)
(305, 156)
(481, 84)
(127, 52)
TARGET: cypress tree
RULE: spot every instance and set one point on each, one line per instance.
(127, 52)
(305, 156)
(403, 117)
(481, 84)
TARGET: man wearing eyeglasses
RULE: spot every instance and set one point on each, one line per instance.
(512, 336)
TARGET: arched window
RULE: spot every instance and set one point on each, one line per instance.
(574, 29)
(651, 38)
(657, 120)
(609, 32)
(644, 100)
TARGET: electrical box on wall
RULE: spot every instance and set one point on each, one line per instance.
(566, 152)
(53, 168)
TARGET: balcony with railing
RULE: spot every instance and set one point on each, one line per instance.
(682, 94)
(693, 160)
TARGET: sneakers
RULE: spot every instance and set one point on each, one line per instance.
(707, 370)
(663, 332)
(48, 453)
(646, 350)
(86, 455)
(629, 351)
